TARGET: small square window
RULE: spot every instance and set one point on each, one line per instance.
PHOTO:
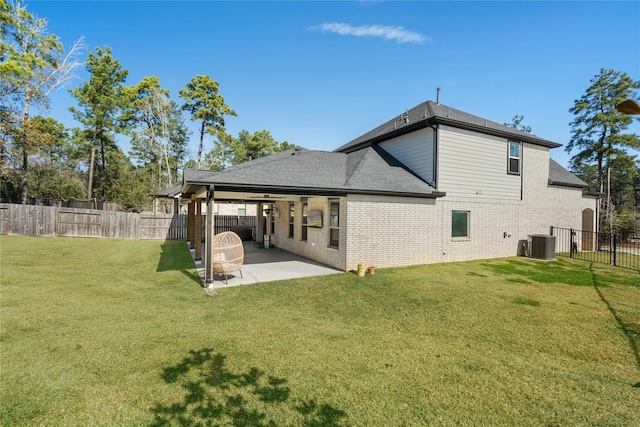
(460, 225)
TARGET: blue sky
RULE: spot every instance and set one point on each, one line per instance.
(319, 74)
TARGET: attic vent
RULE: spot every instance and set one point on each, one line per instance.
(405, 118)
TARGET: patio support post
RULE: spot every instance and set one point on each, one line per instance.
(208, 239)
(198, 233)
(259, 224)
(191, 221)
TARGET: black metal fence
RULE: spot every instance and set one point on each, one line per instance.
(605, 248)
(243, 225)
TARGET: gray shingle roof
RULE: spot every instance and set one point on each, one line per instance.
(360, 166)
(560, 176)
(368, 171)
(430, 113)
(170, 192)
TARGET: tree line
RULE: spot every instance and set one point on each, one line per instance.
(41, 158)
(601, 149)
(601, 146)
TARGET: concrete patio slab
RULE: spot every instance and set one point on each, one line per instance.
(266, 265)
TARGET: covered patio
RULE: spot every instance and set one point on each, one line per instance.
(265, 265)
(315, 204)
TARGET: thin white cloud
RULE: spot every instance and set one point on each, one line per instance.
(399, 34)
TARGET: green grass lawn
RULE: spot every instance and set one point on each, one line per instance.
(113, 332)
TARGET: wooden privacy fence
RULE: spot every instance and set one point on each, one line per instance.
(56, 221)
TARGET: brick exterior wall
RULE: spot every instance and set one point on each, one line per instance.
(493, 226)
(392, 231)
(316, 247)
(544, 206)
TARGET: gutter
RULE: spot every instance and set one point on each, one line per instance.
(314, 191)
(595, 194)
(585, 190)
(565, 184)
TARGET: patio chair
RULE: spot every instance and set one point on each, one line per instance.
(227, 254)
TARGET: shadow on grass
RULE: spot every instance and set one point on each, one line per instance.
(559, 271)
(213, 395)
(539, 271)
(175, 256)
(632, 335)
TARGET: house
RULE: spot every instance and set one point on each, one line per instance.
(434, 184)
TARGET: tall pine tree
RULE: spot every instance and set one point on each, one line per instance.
(597, 131)
(100, 100)
(205, 104)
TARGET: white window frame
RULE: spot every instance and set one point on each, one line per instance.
(304, 229)
(511, 157)
(333, 227)
(292, 216)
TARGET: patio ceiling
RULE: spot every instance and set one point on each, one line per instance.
(246, 197)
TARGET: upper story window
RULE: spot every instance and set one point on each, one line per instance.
(515, 154)
(334, 224)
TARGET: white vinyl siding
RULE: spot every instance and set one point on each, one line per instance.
(472, 165)
(415, 151)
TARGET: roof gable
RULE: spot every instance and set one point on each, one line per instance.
(429, 114)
